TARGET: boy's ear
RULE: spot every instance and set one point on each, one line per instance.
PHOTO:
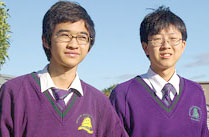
(45, 43)
(89, 47)
(145, 46)
(183, 45)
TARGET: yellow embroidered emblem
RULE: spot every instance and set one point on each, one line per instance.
(86, 125)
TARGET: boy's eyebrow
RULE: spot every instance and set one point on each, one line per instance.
(166, 33)
(172, 33)
(63, 30)
(82, 32)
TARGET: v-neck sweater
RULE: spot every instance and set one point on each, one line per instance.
(145, 115)
(27, 112)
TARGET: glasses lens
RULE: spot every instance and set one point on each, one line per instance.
(159, 42)
(82, 39)
(64, 37)
(174, 41)
(156, 42)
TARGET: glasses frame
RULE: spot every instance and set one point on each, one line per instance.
(70, 36)
(155, 44)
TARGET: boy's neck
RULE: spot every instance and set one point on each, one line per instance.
(62, 76)
(166, 74)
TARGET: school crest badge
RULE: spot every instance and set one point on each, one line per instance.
(195, 113)
(85, 122)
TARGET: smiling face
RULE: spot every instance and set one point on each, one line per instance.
(164, 56)
(68, 54)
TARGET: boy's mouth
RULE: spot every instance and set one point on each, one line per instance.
(165, 55)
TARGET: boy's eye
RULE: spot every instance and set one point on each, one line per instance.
(173, 39)
(82, 37)
(157, 38)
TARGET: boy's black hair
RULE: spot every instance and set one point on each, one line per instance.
(61, 12)
(159, 19)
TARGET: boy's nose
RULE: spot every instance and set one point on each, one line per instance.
(73, 43)
(165, 43)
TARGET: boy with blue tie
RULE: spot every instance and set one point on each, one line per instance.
(161, 103)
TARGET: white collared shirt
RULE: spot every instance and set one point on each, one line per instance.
(47, 83)
(156, 82)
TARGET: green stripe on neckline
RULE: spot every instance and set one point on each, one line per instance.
(56, 108)
(36, 79)
(157, 100)
(51, 101)
(71, 104)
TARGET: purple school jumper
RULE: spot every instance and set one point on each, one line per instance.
(145, 115)
(26, 112)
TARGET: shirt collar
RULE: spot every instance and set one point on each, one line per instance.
(175, 80)
(47, 83)
(158, 82)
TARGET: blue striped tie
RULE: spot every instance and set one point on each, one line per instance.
(167, 89)
(60, 95)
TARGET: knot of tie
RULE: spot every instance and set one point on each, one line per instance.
(59, 95)
(167, 89)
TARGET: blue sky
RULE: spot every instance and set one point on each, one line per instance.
(117, 54)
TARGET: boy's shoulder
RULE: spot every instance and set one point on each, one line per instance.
(123, 87)
(13, 86)
(16, 81)
(126, 83)
(194, 87)
(87, 86)
(95, 96)
(191, 84)
(92, 91)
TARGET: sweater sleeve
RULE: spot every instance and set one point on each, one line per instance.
(205, 132)
(204, 128)
(113, 126)
(118, 100)
(6, 112)
(12, 110)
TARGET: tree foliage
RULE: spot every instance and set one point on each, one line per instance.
(107, 91)
(4, 33)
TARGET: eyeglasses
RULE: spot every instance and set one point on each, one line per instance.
(82, 39)
(157, 42)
